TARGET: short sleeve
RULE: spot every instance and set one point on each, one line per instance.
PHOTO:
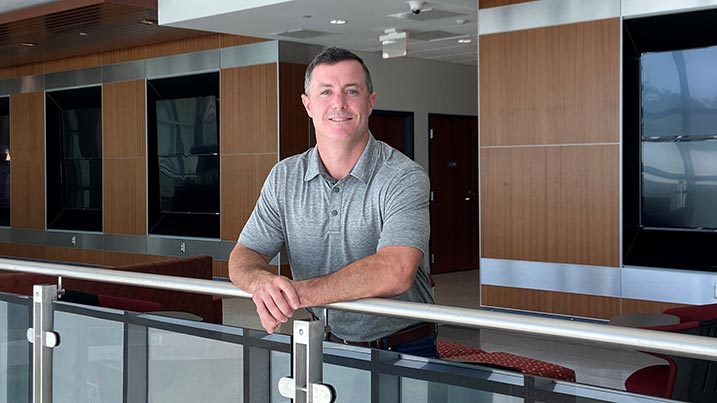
(263, 232)
(405, 212)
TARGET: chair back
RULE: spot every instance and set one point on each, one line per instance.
(696, 380)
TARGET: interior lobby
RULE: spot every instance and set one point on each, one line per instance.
(571, 147)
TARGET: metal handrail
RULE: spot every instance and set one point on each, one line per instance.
(589, 333)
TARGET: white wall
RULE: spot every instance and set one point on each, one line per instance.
(422, 86)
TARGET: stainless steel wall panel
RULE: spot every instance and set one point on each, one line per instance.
(124, 71)
(73, 78)
(669, 285)
(125, 243)
(176, 246)
(250, 55)
(300, 53)
(4, 87)
(188, 63)
(643, 8)
(25, 84)
(5, 235)
(71, 239)
(560, 277)
(28, 236)
(226, 249)
(545, 13)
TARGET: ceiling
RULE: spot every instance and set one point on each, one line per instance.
(62, 28)
(432, 34)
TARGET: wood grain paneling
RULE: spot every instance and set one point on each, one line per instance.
(249, 109)
(227, 40)
(220, 268)
(124, 196)
(73, 63)
(27, 127)
(642, 306)
(5, 249)
(555, 85)
(74, 255)
(293, 120)
(123, 259)
(498, 3)
(242, 179)
(29, 251)
(562, 303)
(554, 204)
(124, 126)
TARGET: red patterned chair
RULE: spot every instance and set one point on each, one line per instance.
(453, 351)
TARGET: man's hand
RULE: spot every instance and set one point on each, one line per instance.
(276, 300)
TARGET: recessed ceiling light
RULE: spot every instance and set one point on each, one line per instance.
(465, 40)
(83, 34)
(28, 44)
(148, 21)
(338, 21)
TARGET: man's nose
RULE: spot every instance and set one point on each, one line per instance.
(338, 101)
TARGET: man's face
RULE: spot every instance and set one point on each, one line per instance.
(339, 102)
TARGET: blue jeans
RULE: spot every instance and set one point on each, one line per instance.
(423, 347)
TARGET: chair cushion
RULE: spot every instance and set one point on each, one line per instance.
(447, 349)
(518, 363)
(655, 380)
(697, 312)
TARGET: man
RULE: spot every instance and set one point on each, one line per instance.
(352, 213)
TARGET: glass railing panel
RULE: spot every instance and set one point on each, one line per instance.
(88, 364)
(15, 375)
(188, 368)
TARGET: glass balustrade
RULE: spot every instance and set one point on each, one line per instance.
(108, 355)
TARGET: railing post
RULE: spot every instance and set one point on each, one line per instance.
(43, 339)
(307, 366)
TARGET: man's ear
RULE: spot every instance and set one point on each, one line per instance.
(307, 104)
(371, 101)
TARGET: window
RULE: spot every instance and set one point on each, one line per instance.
(4, 161)
(74, 159)
(183, 155)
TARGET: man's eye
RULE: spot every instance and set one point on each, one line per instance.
(352, 92)
(325, 92)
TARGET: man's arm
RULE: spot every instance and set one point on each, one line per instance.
(275, 296)
(387, 273)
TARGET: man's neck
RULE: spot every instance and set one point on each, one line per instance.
(340, 159)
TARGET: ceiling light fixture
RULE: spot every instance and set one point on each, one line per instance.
(28, 44)
(465, 40)
(338, 21)
(83, 34)
(148, 21)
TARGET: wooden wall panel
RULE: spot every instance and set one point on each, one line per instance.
(293, 120)
(562, 303)
(76, 255)
(641, 306)
(498, 3)
(29, 251)
(125, 196)
(555, 85)
(124, 126)
(27, 168)
(243, 177)
(553, 204)
(5, 249)
(249, 110)
(220, 268)
(124, 259)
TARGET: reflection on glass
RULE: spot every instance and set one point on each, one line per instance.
(187, 126)
(83, 183)
(14, 353)
(4, 161)
(679, 93)
(189, 184)
(679, 184)
(82, 133)
(88, 364)
(419, 391)
(185, 368)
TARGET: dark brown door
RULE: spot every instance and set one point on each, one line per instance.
(393, 128)
(453, 154)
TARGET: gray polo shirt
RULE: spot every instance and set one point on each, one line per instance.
(325, 225)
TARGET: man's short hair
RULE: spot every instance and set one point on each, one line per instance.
(333, 55)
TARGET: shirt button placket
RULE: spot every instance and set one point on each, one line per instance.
(334, 209)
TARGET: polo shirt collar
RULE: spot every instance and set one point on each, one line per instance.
(362, 170)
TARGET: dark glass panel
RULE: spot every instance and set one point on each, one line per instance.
(189, 184)
(81, 133)
(83, 184)
(679, 93)
(5, 161)
(187, 126)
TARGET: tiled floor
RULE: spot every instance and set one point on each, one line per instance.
(593, 365)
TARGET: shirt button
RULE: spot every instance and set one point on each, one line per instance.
(334, 213)
(336, 190)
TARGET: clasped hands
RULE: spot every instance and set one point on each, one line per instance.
(276, 298)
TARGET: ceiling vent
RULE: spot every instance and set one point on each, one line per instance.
(73, 20)
(302, 34)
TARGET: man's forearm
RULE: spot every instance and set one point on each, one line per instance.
(388, 273)
(247, 267)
